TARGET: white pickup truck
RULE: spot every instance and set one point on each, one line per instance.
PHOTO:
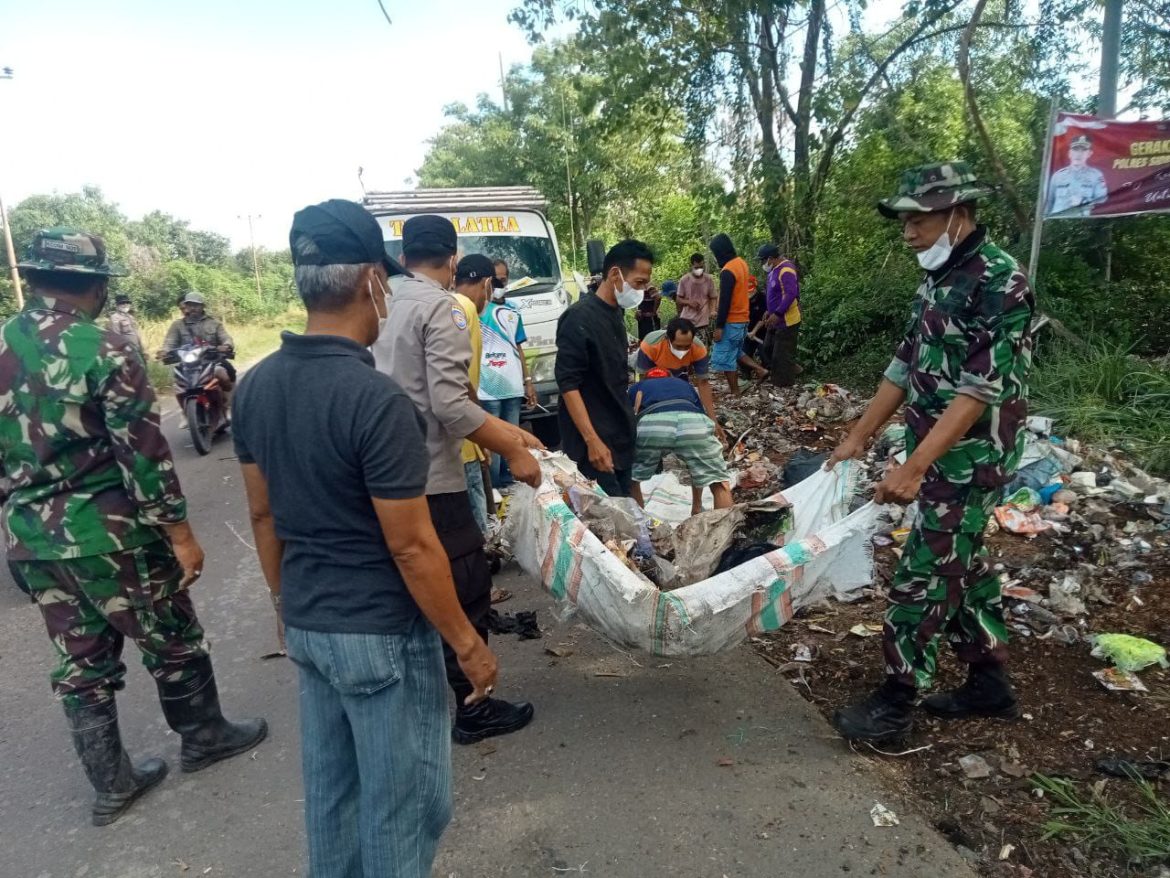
(506, 223)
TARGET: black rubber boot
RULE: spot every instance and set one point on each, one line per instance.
(192, 710)
(98, 743)
(489, 718)
(887, 713)
(987, 692)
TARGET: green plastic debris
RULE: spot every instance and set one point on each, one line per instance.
(1127, 652)
(1025, 499)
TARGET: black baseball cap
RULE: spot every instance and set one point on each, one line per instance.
(475, 266)
(121, 299)
(339, 232)
(768, 251)
(429, 235)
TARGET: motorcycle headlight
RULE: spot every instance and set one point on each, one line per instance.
(543, 368)
(189, 357)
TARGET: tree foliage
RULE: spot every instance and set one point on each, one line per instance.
(165, 256)
(788, 119)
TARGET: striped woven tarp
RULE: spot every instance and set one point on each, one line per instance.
(827, 552)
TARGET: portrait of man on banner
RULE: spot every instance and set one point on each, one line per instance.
(1075, 188)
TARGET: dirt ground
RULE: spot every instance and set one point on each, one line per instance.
(1070, 721)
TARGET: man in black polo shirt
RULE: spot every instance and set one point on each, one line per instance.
(597, 423)
(335, 467)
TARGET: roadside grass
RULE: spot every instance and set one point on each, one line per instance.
(1139, 833)
(253, 341)
(1104, 394)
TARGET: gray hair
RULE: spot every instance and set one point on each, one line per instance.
(328, 287)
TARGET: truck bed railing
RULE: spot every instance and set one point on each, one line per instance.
(486, 198)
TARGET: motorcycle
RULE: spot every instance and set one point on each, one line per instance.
(200, 394)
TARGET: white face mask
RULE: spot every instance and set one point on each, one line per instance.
(498, 294)
(627, 296)
(385, 303)
(125, 309)
(936, 256)
(697, 272)
(681, 353)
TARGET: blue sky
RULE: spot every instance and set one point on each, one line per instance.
(211, 110)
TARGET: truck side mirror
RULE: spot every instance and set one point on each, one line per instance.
(595, 255)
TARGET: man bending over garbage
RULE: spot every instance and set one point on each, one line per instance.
(670, 420)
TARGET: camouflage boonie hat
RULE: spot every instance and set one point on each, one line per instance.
(928, 188)
(65, 249)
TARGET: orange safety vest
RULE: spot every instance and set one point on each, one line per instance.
(739, 312)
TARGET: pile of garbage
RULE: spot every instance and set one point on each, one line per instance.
(772, 428)
(671, 556)
(1102, 516)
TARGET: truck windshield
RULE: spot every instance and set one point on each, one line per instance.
(526, 256)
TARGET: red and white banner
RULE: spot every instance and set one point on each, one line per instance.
(1102, 167)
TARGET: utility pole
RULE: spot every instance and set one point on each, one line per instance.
(503, 82)
(569, 178)
(6, 73)
(255, 262)
(1110, 60)
(1107, 93)
(11, 257)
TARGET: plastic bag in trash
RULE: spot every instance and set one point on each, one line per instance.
(701, 540)
(800, 466)
(1127, 652)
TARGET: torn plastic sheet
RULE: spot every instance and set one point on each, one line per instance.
(828, 552)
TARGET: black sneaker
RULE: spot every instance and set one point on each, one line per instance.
(489, 718)
(987, 692)
(887, 713)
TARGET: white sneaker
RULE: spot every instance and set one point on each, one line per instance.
(182, 423)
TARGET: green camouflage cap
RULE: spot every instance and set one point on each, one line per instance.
(928, 188)
(64, 249)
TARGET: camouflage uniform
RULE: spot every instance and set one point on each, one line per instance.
(969, 335)
(91, 482)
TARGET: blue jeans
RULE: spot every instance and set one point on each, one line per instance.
(476, 493)
(375, 750)
(506, 410)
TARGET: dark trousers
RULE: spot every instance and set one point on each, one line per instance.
(463, 542)
(779, 354)
(615, 484)
(473, 585)
(647, 325)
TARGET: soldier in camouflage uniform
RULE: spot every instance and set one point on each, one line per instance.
(962, 370)
(97, 523)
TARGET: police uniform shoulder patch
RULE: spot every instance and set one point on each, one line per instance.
(459, 317)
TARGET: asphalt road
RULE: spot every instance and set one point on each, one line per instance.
(635, 767)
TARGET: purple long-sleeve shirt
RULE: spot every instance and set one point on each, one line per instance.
(783, 288)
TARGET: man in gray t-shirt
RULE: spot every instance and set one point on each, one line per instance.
(333, 462)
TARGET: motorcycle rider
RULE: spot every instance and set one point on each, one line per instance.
(197, 327)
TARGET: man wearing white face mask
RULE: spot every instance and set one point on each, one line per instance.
(962, 370)
(426, 347)
(596, 418)
(122, 321)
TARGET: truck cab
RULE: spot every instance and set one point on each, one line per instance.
(505, 223)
